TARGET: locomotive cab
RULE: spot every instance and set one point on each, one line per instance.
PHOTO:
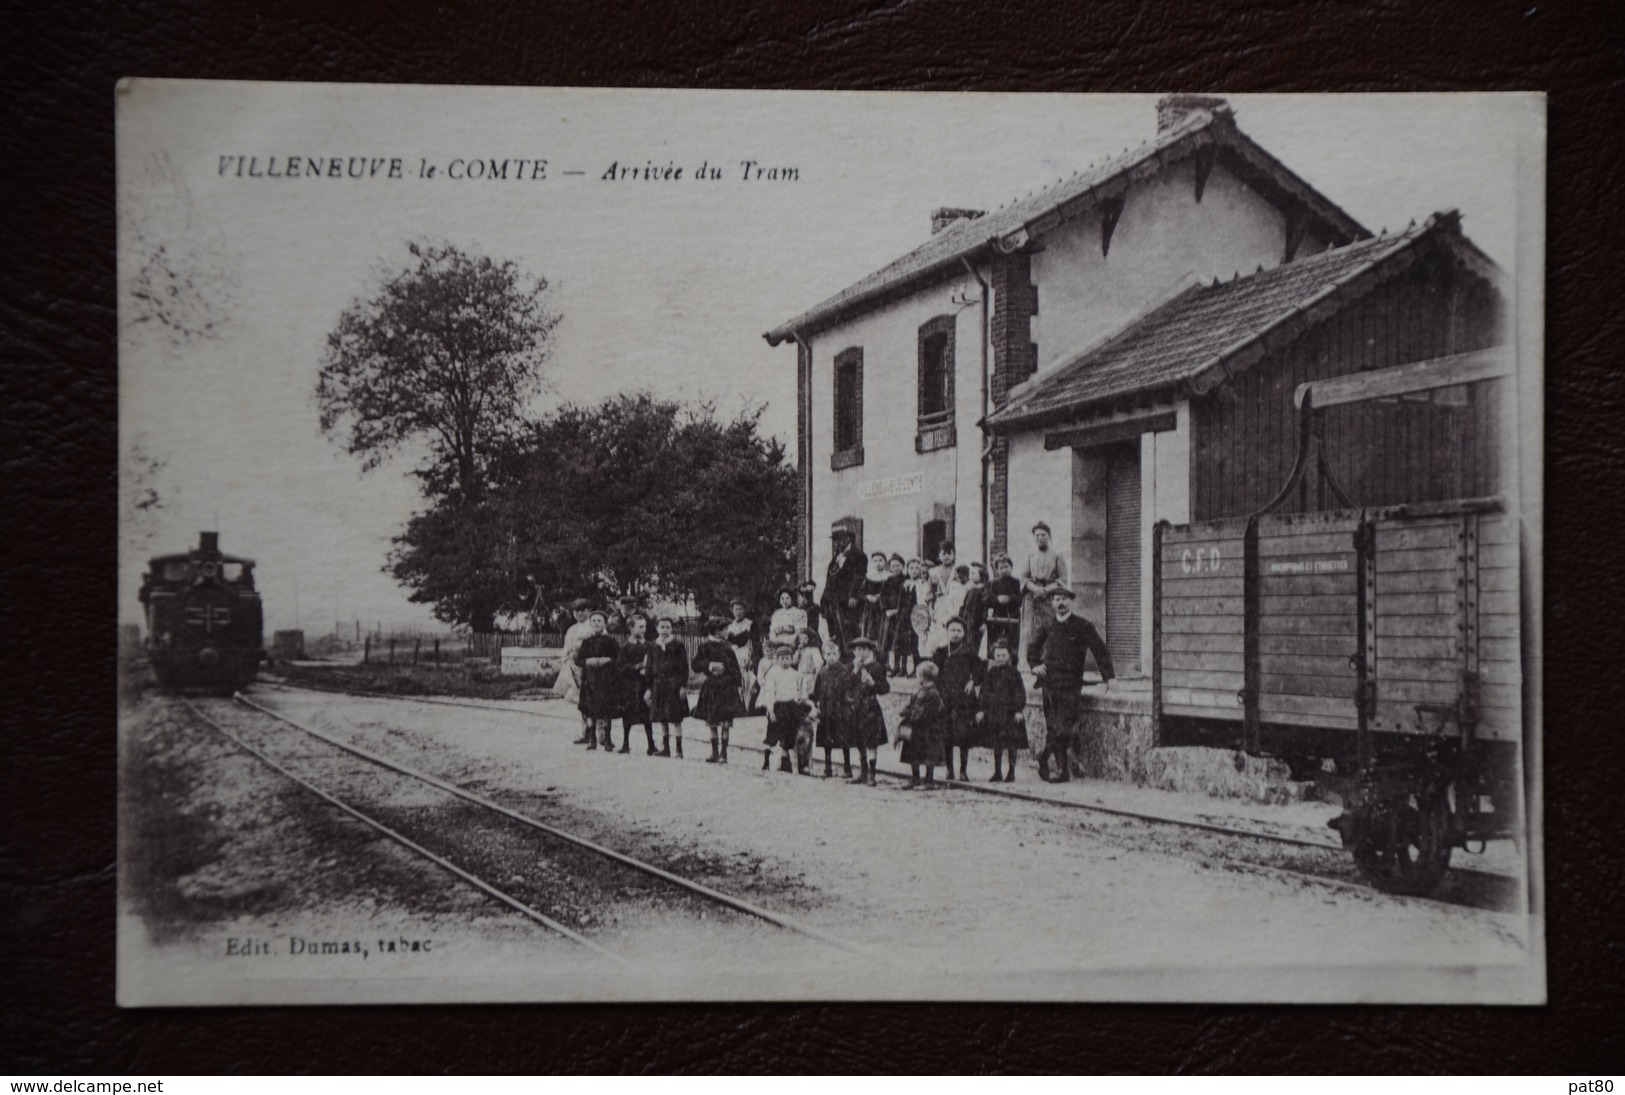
(204, 622)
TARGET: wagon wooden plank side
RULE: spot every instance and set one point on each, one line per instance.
(1199, 620)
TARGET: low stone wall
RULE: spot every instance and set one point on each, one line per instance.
(1114, 738)
(527, 661)
(1226, 773)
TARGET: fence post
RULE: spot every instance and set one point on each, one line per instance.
(417, 644)
(392, 652)
(366, 651)
(437, 652)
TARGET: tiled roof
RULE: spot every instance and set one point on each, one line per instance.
(1046, 208)
(1190, 339)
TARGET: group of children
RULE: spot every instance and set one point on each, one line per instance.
(815, 694)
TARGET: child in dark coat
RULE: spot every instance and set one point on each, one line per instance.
(1003, 715)
(905, 645)
(923, 728)
(836, 698)
(961, 675)
(868, 729)
(720, 701)
(633, 668)
(668, 687)
(600, 690)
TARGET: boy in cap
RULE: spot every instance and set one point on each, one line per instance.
(1057, 656)
(781, 695)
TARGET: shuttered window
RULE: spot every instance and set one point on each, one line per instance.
(1123, 556)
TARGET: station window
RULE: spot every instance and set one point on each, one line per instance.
(936, 385)
(936, 341)
(848, 440)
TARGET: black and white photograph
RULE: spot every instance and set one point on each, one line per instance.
(608, 545)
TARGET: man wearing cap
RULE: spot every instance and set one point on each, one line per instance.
(625, 606)
(843, 589)
(1043, 569)
(1057, 656)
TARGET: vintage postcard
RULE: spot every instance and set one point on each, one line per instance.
(618, 545)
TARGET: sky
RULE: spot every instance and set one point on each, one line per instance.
(230, 283)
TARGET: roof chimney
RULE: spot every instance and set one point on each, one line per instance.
(1174, 109)
(208, 543)
(942, 218)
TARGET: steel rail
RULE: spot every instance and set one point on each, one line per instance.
(406, 842)
(737, 903)
(1021, 796)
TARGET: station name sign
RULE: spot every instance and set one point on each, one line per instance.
(893, 487)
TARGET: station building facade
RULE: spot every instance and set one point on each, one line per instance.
(1121, 349)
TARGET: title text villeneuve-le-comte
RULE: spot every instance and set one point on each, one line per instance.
(494, 169)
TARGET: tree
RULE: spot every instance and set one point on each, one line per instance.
(634, 495)
(448, 351)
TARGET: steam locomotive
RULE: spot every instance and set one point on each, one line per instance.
(204, 623)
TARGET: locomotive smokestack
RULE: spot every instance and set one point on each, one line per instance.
(208, 542)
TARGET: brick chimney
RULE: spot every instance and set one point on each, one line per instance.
(208, 542)
(942, 218)
(1173, 109)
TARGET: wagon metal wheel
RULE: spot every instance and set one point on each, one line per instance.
(1403, 844)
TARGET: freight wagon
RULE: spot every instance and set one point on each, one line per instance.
(1375, 649)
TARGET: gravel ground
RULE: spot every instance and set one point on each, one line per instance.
(949, 893)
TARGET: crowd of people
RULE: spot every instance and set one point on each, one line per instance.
(818, 668)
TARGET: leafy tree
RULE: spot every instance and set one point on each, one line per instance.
(459, 558)
(447, 352)
(634, 495)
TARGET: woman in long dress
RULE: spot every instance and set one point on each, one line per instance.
(948, 589)
(569, 682)
(874, 593)
(741, 635)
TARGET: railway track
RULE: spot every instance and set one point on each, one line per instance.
(373, 764)
(1481, 889)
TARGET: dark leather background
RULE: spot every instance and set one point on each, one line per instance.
(58, 409)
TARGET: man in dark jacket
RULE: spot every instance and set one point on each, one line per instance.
(842, 602)
(1057, 655)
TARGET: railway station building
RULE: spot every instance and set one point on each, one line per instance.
(1122, 349)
